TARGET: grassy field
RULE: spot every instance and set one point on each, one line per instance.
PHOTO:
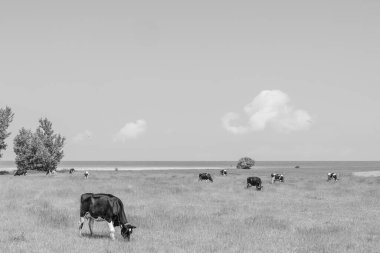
(176, 213)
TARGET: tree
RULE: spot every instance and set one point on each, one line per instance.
(245, 163)
(41, 150)
(22, 146)
(6, 117)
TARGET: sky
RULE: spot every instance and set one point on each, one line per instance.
(195, 80)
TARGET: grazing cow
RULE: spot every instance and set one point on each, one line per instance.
(71, 171)
(277, 177)
(86, 174)
(254, 181)
(21, 172)
(104, 207)
(50, 172)
(205, 176)
(223, 172)
(332, 175)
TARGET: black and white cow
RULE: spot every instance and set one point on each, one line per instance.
(331, 176)
(223, 172)
(205, 176)
(21, 172)
(71, 171)
(254, 181)
(86, 174)
(104, 207)
(277, 177)
(50, 172)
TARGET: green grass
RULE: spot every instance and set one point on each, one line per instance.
(174, 212)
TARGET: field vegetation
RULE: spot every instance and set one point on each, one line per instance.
(174, 212)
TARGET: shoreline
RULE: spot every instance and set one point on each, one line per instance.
(357, 166)
(130, 168)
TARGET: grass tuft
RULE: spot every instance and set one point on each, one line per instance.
(18, 237)
(265, 222)
(48, 215)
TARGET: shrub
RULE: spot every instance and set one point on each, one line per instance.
(245, 163)
(4, 172)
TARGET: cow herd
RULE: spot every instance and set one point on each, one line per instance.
(256, 181)
(251, 181)
(108, 208)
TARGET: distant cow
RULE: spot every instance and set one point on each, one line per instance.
(20, 172)
(71, 171)
(331, 176)
(50, 172)
(104, 207)
(205, 176)
(223, 172)
(86, 174)
(277, 177)
(254, 181)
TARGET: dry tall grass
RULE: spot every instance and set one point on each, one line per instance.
(176, 213)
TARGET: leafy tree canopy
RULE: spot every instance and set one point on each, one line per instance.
(40, 150)
(6, 117)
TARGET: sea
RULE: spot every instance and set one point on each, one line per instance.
(183, 165)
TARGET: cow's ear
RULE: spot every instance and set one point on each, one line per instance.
(132, 227)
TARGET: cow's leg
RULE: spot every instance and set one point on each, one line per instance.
(112, 230)
(272, 180)
(81, 221)
(91, 225)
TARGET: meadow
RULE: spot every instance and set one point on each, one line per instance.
(174, 212)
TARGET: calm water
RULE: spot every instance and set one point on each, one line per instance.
(158, 165)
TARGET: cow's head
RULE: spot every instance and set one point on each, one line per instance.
(210, 178)
(126, 231)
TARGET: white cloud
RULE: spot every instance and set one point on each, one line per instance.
(131, 130)
(226, 120)
(82, 136)
(271, 108)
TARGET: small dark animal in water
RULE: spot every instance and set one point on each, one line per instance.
(223, 172)
(331, 176)
(21, 172)
(277, 177)
(254, 181)
(104, 207)
(71, 171)
(205, 176)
